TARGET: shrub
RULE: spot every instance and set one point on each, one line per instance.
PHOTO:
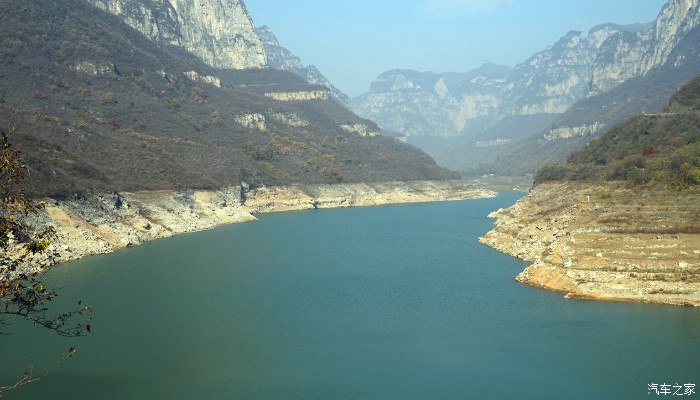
(108, 98)
(618, 169)
(551, 172)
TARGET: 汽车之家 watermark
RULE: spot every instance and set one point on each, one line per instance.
(665, 389)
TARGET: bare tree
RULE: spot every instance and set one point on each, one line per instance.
(23, 293)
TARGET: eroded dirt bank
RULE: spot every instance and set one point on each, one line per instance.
(107, 222)
(605, 242)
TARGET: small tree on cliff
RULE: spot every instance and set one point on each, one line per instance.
(23, 294)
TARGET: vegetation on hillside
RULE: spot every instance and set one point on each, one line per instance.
(660, 148)
(528, 152)
(101, 108)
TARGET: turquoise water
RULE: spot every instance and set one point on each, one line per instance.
(392, 302)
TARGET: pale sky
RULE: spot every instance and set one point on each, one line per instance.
(352, 42)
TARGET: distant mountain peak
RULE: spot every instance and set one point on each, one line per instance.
(491, 105)
(267, 36)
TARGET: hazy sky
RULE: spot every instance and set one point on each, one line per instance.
(352, 42)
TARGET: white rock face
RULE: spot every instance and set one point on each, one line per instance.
(424, 104)
(568, 132)
(360, 129)
(220, 32)
(299, 96)
(94, 68)
(627, 55)
(548, 83)
(677, 18)
(254, 122)
(211, 80)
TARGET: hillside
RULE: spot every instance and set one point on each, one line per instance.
(650, 148)
(547, 106)
(592, 117)
(98, 106)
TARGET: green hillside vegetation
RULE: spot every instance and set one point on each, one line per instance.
(660, 148)
(98, 107)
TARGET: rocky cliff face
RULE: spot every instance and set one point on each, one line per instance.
(550, 82)
(630, 54)
(220, 32)
(280, 58)
(426, 104)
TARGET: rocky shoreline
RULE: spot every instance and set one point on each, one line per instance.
(605, 242)
(104, 223)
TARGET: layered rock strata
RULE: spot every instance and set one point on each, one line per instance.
(605, 242)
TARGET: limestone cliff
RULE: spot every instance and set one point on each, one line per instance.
(629, 54)
(427, 104)
(548, 83)
(220, 32)
(547, 106)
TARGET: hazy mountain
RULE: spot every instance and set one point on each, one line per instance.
(573, 89)
(427, 104)
(280, 58)
(99, 106)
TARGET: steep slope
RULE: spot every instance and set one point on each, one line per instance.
(557, 99)
(282, 59)
(657, 148)
(593, 116)
(99, 106)
(219, 32)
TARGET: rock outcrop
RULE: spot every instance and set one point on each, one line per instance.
(280, 58)
(299, 96)
(605, 242)
(107, 222)
(219, 32)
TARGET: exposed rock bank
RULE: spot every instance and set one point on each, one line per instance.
(107, 222)
(605, 242)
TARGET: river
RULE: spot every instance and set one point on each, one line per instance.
(390, 302)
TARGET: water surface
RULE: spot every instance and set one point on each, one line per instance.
(391, 302)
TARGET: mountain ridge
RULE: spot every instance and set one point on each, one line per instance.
(545, 87)
(282, 59)
(98, 106)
